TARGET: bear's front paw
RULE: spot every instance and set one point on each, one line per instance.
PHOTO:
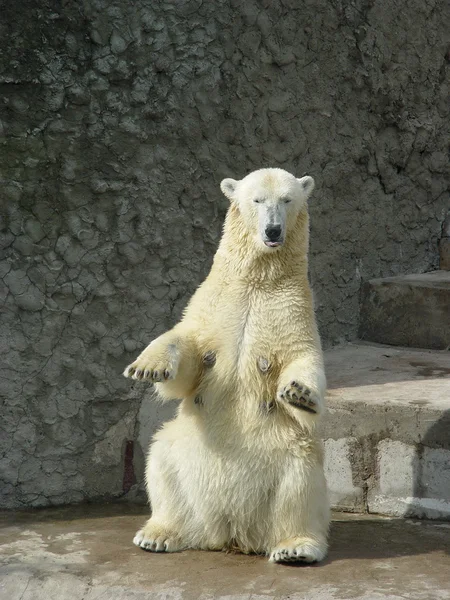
(155, 366)
(300, 396)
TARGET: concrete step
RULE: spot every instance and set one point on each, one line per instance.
(387, 430)
(409, 310)
(85, 553)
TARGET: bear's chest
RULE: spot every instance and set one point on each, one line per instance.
(256, 332)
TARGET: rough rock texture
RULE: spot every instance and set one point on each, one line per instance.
(118, 120)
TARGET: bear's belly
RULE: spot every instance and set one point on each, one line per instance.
(240, 423)
(235, 406)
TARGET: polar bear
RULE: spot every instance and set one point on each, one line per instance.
(241, 465)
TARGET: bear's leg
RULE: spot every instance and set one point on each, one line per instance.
(161, 533)
(172, 361)
(301, 514)
(186, 512)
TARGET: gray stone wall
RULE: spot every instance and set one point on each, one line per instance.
(118, 121)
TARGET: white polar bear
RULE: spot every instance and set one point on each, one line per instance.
(241, 465)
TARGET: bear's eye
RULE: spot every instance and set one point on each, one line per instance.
(257, 200)
(287, 200)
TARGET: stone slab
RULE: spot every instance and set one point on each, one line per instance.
(86, 553)
(409, 310)
(386, 431)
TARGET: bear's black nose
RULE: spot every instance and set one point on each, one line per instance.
(273, 232)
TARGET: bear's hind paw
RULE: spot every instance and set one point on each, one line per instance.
(298, 550)
(154, 540)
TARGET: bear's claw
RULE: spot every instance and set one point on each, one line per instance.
(298, 550)
(153, 375)
(156, 364)
(300, 396)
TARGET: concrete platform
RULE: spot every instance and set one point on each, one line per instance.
(387, 430)
(86, 554)
(409, 310)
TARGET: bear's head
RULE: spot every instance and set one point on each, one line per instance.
(269, 202)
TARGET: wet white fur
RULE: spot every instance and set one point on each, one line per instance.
(226, 472)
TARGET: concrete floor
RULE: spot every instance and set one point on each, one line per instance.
(85, 553)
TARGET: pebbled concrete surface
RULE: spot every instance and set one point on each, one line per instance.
(118, 120)
(86, 554)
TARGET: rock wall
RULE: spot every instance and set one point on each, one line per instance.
(118, 120)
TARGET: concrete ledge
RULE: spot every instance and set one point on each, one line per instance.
(387, 431)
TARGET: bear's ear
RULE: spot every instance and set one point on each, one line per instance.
(228, 187)
(307, 184)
